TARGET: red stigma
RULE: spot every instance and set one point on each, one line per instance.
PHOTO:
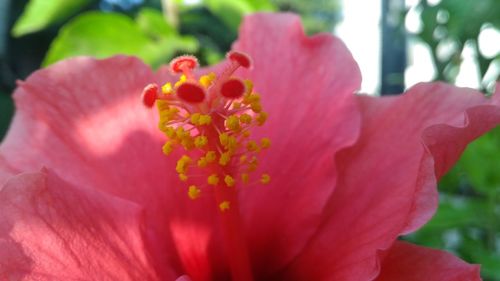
(191, 92)
(241, 58)
(233, 88)
(149, 95)
(183, 63)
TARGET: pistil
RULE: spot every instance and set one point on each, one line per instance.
(234, 236)
(212, 119)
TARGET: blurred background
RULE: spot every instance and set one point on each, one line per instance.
(396, 42)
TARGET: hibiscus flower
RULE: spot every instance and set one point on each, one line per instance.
(87, 194)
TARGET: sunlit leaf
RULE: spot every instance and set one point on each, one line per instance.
(153, 23)
(231, 12)
(106, 34)
(214, 36)
(165, 40)
(40, 14)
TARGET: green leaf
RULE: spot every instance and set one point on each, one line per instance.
(99, 35)
(153, 23)
(458, 211)
(480, 163)
(231, 12)
(488, 258)
(105, 34)
(466, 17)
(165, 40)
(40, 14)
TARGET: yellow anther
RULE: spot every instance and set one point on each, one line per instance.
(183, 177)
(205, 119)
(200, 141)
(224, 158)
(248, 86)
(180, 133)
(168, 147)
(206, 80)
(265, 143)
(246, 134)
(233, 123)
(210, 156)
(195, 118)
(251, 98)
(162, 125)
(245, 178)
(168, 114)
(169, 131)
(187, 142)
(255, 97)
(243, 158)
(182, 79)
(252, 164)
(183, 164)
(265, 178)
(232, 144)
(167, 89)
(213, 179)
(236, 105)
(223, 139)
(252, 146)
(261, 118)
(256, 107)
(162, 105)
(224, 206)
(245, 118)
(193, 192)
(229, 180)
(253, 160)
(202, 162)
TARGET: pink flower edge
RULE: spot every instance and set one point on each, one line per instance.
(404, 261)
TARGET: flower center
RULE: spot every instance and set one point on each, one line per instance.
(211, 119)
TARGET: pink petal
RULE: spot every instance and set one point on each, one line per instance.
(84, 115)
(50, 229)
(6, 171)
(387, 181)
(83, 118)
(409, 262)
(306, 86)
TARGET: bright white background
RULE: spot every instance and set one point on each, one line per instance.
(360, 30)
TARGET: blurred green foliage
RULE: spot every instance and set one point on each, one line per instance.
(317, 16)
(231, 12)
(451, 24)
(40, 14)
(148, 37)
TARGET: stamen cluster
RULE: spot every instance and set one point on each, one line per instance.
(211, 118)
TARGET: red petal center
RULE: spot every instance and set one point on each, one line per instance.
(242, 58)
(149, 95)
(191, 92)
(233, 88)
